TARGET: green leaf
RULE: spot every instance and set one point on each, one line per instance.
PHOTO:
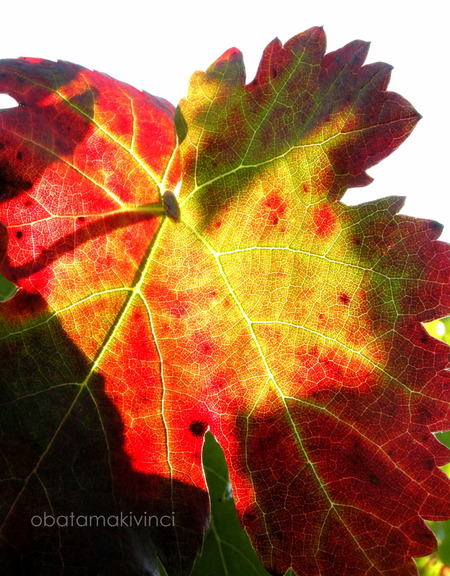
(227, 550)
(7, 289)
(438, 563)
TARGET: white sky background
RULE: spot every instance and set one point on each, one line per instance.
(157, 45)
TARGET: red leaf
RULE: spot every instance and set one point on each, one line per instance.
(262, 309)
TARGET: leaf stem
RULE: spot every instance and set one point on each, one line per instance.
(154, 208)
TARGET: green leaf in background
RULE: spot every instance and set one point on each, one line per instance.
(7, 289)
(438, 563)
(432, 566)
(225, 539)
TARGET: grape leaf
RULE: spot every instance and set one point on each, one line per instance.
(210, 278)
(72, 169)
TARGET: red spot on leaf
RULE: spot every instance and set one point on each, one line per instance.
(218, 381)
(324, 221)
(205, 347)
(325, 369)
(274, 208)
(344, 298)
(178, 310)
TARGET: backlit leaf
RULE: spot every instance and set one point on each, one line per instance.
(216, 281)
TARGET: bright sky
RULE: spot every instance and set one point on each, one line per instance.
(156, 45)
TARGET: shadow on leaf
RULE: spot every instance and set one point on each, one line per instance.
(72, 502)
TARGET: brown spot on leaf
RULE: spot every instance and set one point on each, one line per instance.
(306, 187)
(248, 517)
(424, 415)
(220, 380)
(344, 298)
(198, 427)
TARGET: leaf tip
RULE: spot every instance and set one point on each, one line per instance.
(437, 228)
(397, 204)
(231, 56)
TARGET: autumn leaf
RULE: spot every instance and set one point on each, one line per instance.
(193, 271)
